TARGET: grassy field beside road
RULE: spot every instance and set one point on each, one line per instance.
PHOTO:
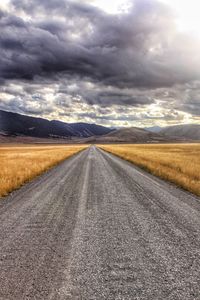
(19, 164)
(178, 163)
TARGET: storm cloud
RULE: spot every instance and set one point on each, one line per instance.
(71, 58)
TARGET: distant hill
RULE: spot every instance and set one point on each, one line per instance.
(129, 135)
(14, 124)
(187, 132)
(20, 128)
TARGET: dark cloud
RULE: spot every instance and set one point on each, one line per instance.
(91, 57)
(121, 50)
(190, 101)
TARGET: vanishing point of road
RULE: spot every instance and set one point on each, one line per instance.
(97, 227)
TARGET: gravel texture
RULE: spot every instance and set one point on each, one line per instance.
(97, 227)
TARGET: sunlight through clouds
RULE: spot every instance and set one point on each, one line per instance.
(187, 14)
(113, 6)
(133, 63)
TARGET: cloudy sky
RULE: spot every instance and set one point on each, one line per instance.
(115, 63)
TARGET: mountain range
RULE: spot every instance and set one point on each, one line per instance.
(13, 124)
(21, 128)
(129, 135)
(187, 131)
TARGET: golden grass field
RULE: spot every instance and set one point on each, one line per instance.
(19, 164)
(178, 163)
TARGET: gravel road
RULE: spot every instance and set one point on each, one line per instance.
(96, 227)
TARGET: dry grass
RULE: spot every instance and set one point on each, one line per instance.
(19, 164)
(178, 163)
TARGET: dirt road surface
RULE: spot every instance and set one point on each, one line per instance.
(96, 227)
